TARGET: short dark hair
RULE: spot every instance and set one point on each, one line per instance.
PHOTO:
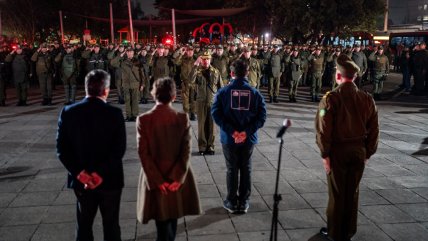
(240, 68)
(164, 90)
(96, 82)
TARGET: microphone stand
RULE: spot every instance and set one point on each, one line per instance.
(276, 197)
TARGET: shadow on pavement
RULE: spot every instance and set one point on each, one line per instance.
(422, 152)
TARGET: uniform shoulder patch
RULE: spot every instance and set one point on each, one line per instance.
(323, 112)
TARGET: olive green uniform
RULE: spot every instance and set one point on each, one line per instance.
(132, 80)
(222, 64)
(44, 74)
(347, 132)
(381, 71)
(331, 59)
(117, 74)
(295, 67)
(3, 55)
(207, 82)
(160, 66)
(68, 75)
(304, 55)
(254, 71)
(20, 72)
(276, 68)
(317, 64)
(187, 89)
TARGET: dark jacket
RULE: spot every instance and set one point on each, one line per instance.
(91, 136)
(239, 107)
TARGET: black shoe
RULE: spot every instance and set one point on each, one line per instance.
(230, 207)
(130, 119)
(324, 232)
(19, 103)
(50, 101)
(144, 101)
(24, 103)
(275, 100)
(211, 153)
(121, 101)
(2, 103)
(294, 100)
(317, 99)
(270, 99)
(45, 102)
(192, 116)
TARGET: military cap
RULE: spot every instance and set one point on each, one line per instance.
(246, 49)
(275, 46)
(254, 48)
(96, 45)
(295, 49)
(219, 46)
(196, 46)
(161, 46)
(338, 49)
(190, 47)
(206, 55)
(357, 45)
(348, 46)
(129, 49)
(346, 66)
(380, 47)
(422, 43)
(318, 48)
(43, 45)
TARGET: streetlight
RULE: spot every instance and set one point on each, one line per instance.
(266, 37)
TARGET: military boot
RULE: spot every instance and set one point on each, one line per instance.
(270, 99)
(192, 116)
(45, 101)
(275, 99)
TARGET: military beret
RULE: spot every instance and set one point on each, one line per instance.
(206, 55)
(346, 66)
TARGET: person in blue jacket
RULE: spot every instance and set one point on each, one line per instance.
(239, 110)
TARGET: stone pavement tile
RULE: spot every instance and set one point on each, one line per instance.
(212, 205)
(65, 197)
(128, 210)
(228, 237)
(208, 190)
(401, 196)
(223, 190)
(34, 199)
(309, 186)
(370, 232)
(302, 218)
(269, 188)
(316, 199)
(303, 234)
(213, 167)
(13, 186)
(422, 191)
(263, 176)
(385, 214)
(132, 169)
(6, 199)
(312, 163)
(129, 195)
(17, 233)
(209, 224)
(55, 231)
(418, 169)
(293, 174)
(251, 222)
(263, 236)
(45, 185)
(219, 177)
(60, 214)
(131, 181)
(403, 160)
(393, 170)
(405, 231)
(418, 211)
(371, 172)
(50, 173)
(203, 178)
(287, 163)
(128, 229)
(22, 216)
(369, 197)
(288, 202)
(361, 220)
(411, 181)
(375, 183)
(378, 160)
(262, 166)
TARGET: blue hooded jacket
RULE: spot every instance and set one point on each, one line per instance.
(239, 107)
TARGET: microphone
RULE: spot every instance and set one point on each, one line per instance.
(285, 124)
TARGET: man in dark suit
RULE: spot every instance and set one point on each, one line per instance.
(91, 142)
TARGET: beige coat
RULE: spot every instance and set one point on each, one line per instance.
(164, 141)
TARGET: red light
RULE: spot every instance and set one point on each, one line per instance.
(14, 47)
(168, 41)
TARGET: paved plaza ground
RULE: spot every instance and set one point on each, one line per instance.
(35, 204)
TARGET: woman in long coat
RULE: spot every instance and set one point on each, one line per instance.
(167, 189)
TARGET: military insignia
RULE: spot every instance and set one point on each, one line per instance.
(323, 112)
(326, 94)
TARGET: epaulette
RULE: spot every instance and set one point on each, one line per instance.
(326, 94)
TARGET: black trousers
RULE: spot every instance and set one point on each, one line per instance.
(88, 202)
(166, 230)
(238, 163)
